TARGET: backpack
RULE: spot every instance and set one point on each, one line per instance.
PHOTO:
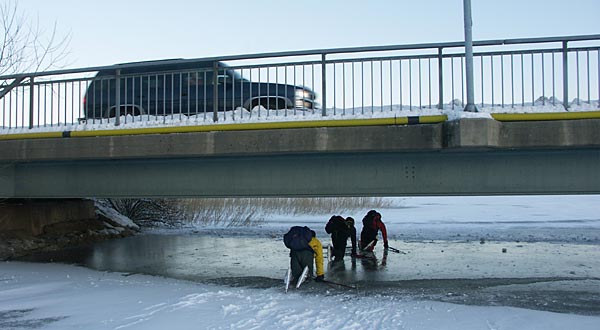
(297, 238)
(336, 224)
(370, 223)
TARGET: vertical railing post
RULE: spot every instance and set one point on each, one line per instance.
(565, 56)
(31, 100)
(215, 91)
(324, 84)
(117, 98)
(440, 79)
(469, 57)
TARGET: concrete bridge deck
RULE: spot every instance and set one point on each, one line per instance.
(460, 157)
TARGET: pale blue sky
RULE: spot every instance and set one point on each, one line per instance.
(109, 31)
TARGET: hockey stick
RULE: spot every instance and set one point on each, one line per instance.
(303, 277)
(340, 284)
(288, 279)
(368, 245)
(395, 250)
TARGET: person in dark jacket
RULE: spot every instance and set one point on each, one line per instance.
(340, 230)
(372, 224)
(304, 248)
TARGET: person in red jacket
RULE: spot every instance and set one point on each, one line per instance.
(372, 224)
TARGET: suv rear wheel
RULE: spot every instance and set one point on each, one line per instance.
(126, 110)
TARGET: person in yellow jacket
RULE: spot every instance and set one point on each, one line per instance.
(304, 248)
(317, 247)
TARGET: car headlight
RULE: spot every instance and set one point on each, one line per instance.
(303, 94)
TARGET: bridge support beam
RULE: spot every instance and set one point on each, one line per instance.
(490, 172)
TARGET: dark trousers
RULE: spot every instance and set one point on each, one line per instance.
(299, 260)
(339, 250)
(339, 240)
(366, 238)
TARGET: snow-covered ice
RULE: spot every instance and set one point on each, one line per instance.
(53, 296)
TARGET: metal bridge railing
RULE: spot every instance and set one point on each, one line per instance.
(558, 72)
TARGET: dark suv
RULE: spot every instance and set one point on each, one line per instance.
(185, 87)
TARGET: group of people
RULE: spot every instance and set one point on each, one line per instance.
(305, 247)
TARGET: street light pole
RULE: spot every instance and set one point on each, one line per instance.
(469, 57)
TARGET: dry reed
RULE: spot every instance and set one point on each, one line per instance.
(233, 212)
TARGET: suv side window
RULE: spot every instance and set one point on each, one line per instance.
(196, 78)
(154, 81)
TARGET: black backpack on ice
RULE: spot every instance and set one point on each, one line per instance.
(297, 238)
(336, 224)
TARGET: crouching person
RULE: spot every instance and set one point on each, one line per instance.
(341, 229)
(304, 249)
(372, 224)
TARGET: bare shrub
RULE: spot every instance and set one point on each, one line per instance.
(252, 211)
(320, 205)
(25, 46)
(148, 212)
(233, 212)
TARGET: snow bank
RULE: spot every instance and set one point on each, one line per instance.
(112, 215)
(454, 111)
(52, 296)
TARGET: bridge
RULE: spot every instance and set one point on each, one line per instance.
(381, 157)
(377, 121)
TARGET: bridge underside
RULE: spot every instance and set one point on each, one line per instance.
(442, 172)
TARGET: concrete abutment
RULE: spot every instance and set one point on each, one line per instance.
(31, 225)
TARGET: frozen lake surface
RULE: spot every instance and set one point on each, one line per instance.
(561, 277)
(523, 251)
